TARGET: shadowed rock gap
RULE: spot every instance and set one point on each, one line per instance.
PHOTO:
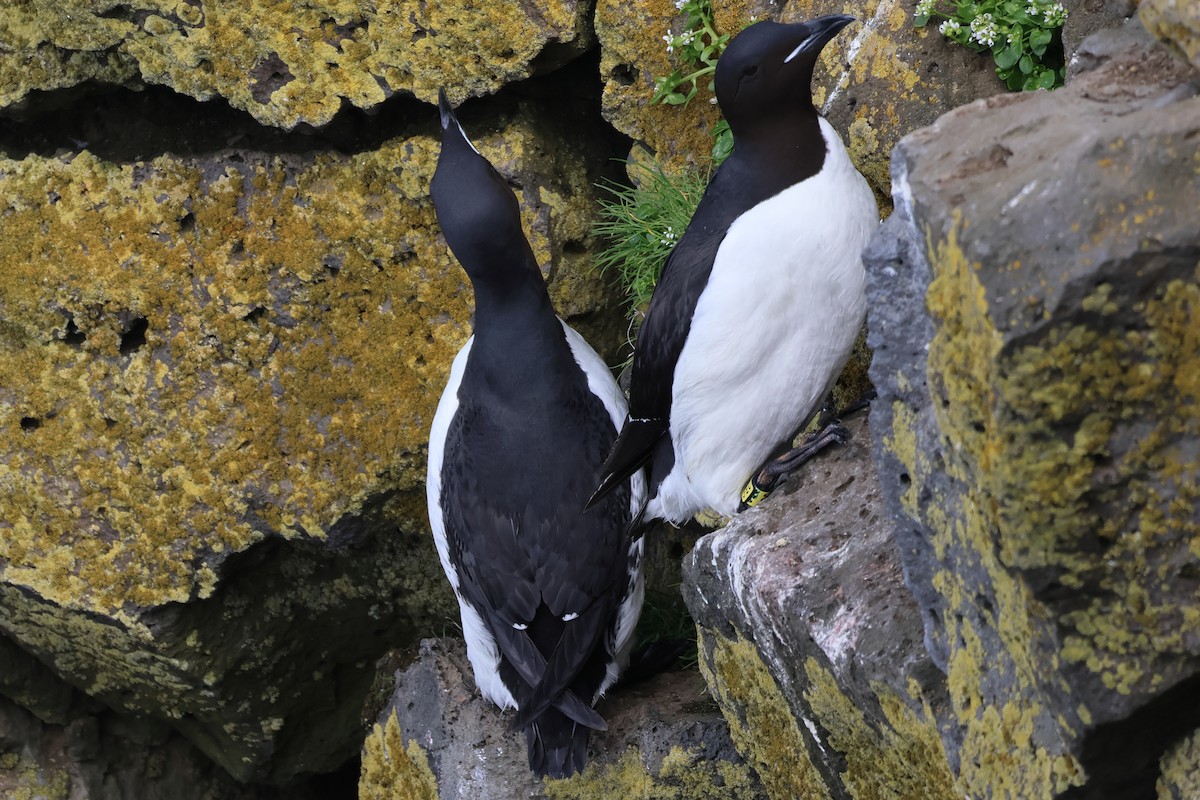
(123, 125)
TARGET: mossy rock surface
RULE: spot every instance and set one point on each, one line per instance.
(287, 63)
(1033, 314)
(220, 374)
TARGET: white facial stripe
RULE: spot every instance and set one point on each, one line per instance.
(465, 137)
(799, 49)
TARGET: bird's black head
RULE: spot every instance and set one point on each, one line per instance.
(477, 211)
(766, 71)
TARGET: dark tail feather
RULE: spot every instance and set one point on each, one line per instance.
(631, 450)
(557, 745)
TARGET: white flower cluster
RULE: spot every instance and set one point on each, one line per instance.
(670, 40)
(984, 30)
(925, 8)
(949, 26)
(669, 236)
(1054, 14)
(679, 4)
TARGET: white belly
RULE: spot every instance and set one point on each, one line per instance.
(771, 331)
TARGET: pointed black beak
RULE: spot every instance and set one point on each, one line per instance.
(819, 31)
(445, 109)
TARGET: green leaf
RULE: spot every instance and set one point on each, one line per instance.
(1025, 64)
(920, 22)
(1014, 80)
(1008, 56)
(1049, 79)
(674, 99)
(1039, 40)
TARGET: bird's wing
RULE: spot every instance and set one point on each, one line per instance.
(660, 341)
(545, 576)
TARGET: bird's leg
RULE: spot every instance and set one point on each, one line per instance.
(774, 471)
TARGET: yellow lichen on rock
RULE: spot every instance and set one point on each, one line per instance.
(202, 354)
(281, 322)
(761, 721)
(392, 770)
(1179, 776)
(906, 758)
(999, 748)
(682, 775)
(286, 63)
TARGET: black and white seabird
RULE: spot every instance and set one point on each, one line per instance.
(760, 301)
(549, 594)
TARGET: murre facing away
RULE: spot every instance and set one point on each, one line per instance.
(549, 594)
(760, 301)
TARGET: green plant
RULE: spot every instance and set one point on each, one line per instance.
(697, 47)
(1023, 36)
(665, 617)
(642, 224)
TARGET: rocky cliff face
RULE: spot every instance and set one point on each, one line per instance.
(224, 326)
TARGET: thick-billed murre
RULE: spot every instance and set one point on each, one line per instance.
(759, 303)
(549, 593)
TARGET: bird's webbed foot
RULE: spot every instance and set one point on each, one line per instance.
(777, 469)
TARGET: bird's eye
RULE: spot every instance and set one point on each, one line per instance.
(750, 71)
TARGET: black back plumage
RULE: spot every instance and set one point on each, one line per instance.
(766, 97)
(520, 455)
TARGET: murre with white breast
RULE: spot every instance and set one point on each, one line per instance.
(549, 594)
(760, 301)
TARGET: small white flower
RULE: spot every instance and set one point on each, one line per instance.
(984, 30)
(679, 4)
(1032, 10)
(1055, 14)
(949, 26)
(712, 101)
(925, 8)
(670, 40)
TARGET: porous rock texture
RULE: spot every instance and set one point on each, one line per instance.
(438, 738)
(220, 370)
(287, 63)
(876, 81)
(1033, 313)
(811, 643)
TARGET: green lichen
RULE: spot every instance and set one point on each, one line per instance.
(904, 758)
(22, 778)
(761, 721)
(683, 775)
(392, 770)
(285, 63)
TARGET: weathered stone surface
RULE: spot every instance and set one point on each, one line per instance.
(438, 738)
(1033, 313)
(811, 643)
(288, 63)
(1176, 22)
(219, 376)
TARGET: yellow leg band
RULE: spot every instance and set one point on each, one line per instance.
(753, 494)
